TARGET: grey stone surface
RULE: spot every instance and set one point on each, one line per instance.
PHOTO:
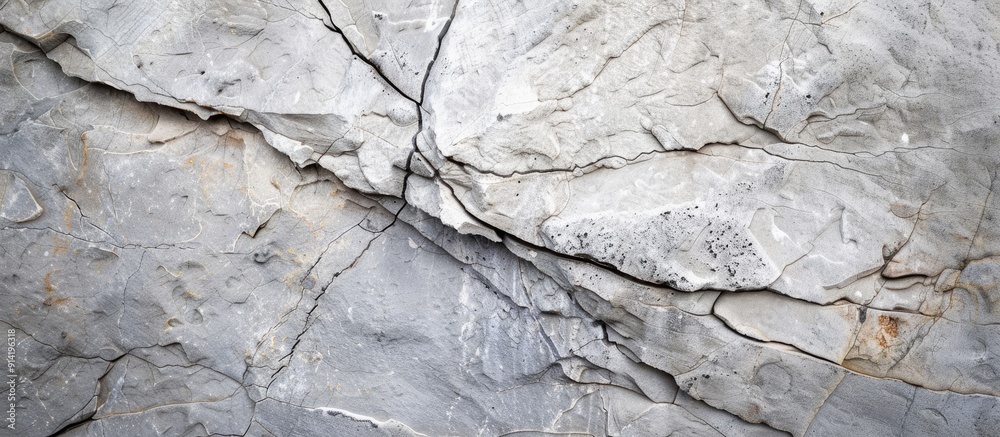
(229, 57)
(399, 38)
(811, 151)
(19, 205)
(499, 218)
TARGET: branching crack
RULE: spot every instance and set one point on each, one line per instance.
(333, 27)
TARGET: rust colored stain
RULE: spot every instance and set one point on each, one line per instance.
(47, 281)
(60, 245)
(890, 329)
(83, 166)
(50, 291)
(889, 325)
(68, 218)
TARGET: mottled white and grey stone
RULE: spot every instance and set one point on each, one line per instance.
(498, 218)
(277, 65)
(185, 278)
(801, 139)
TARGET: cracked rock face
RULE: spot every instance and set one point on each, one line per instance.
(293, 217)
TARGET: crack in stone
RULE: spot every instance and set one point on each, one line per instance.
(333, 28)
(309, 318)
(533, 310)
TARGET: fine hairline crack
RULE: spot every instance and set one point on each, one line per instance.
(375, 68)
(604, 267)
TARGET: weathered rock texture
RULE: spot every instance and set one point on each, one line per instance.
(500, 218)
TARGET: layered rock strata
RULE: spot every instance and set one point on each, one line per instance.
(500, 218)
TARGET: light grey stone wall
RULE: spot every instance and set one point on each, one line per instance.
(289, 217)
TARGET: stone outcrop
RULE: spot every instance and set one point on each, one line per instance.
(500, 218)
